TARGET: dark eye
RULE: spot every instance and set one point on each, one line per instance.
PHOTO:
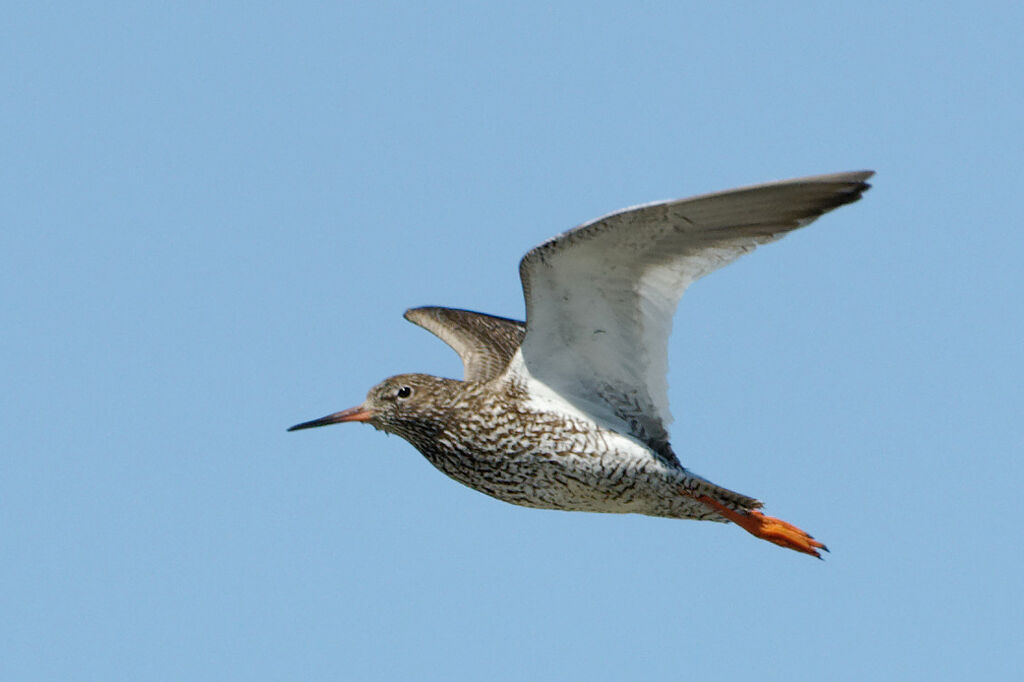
(404, 392)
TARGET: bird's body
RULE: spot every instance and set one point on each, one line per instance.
(569, 410)
(491, 436)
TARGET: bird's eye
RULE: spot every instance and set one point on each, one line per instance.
(404, 392)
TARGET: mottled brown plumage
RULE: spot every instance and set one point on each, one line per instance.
(485, 343)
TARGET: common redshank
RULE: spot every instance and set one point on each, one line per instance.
(569, 410)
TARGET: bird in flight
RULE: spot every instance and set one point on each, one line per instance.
(569, 410)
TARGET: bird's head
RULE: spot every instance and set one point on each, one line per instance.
(410, 405)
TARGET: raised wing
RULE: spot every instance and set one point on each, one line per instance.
(485, 343)
(600, 297)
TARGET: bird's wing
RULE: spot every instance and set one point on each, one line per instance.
(600, 297)
(484, 342)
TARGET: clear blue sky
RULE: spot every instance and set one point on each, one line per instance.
(212, 218)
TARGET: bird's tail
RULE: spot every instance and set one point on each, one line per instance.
(696, 485)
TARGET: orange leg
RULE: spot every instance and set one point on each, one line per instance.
(768, 528)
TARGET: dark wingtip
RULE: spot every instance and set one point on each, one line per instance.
(410, 313)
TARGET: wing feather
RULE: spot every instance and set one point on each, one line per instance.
(485, 343)
(600, 298)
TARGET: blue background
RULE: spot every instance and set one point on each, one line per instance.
(212, 218)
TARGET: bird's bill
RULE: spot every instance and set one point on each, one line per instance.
(353, 414)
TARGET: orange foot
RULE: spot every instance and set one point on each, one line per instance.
(768, 528)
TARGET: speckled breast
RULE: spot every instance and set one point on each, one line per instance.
(547, 461)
